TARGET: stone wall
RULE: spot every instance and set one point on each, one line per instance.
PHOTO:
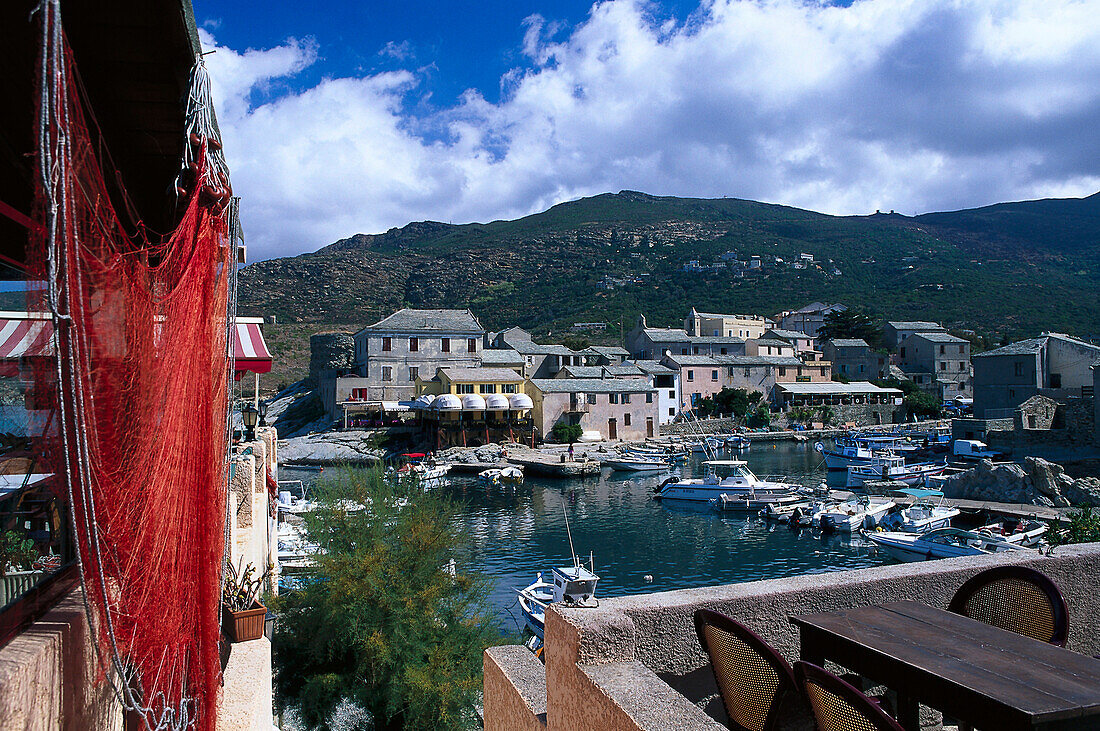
(330, 354)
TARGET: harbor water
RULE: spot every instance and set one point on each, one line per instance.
(639, 544)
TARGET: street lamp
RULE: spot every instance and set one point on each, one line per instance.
(249, 416)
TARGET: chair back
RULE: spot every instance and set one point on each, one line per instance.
(1018, 599)
(838, 706)
(752, 677)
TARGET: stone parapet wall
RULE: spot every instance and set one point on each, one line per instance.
(613, 667)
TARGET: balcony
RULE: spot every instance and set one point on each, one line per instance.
(635, 662)
(578, 405)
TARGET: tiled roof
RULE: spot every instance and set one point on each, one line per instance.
(590, 385)
(500, 356)
(536, 349)
(481, 374)
(787, 334)
(849, 343)
(666, 335)
(834, 388)
(652, 367)
(916, 325)
(939, 338)
(735, 360)
(440, 321)
(609, 350)
(1022, 347)
(582, 372)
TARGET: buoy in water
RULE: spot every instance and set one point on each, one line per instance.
(648, 578)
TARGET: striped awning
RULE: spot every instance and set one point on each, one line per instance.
(23, 338)
(249, 349)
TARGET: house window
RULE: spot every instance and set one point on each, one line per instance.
(626, 419)
(962, 365)
(414, 345)
(487, 388)
(359, 394)
(782, 370)
(649, 398)
(626, 398)
(695, 350)
(672, 394)
(962, 349)
(1012, 393)
(1018, 368)
(843, 367)
(446, 345)
(508, 388)
(1055, 380)
(464, 388)
(612, 398)
(748, 372)
(385, 345)
(723, 351)
(902, 352)
(683, 351)
(591, 398)
(671, 411)
(414, 371)
(387, 373)
(471, 345)
(943, 349)
(943, 365)
(861, 368)
(691, 375)
(714, 375)
(823, 370)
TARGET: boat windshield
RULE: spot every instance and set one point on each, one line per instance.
(731, 471)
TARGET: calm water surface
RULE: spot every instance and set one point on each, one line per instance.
(517, 532)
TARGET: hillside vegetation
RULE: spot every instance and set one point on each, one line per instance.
(1011, 269)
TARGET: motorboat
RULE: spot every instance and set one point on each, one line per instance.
(1026, 533)
(782, 512)
(894, 468)
(851, 515)
(938, 543)
(848, 455)
(420, 467)
(809, 516)
(747, 502)
(730, 477)
(637, 464)
(648, 453)
(572, 585)
(925, 514)
(738, 442)
(509, 475)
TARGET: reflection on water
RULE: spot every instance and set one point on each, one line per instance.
(517, 532)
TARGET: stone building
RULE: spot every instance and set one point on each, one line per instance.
(617, 408)
(854, 359)
(939, 363)
(896, 333)
(808, 319)
(802, 342)
(703, 376)
(393, 352)
(666, 381)
(698, 324)
(653, 343)
(1053, 364)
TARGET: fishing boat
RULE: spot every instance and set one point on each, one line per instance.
(637, 464)
(509, 475)
(730, 477)
(850, 454)
(809, 516)
(864, 511)
(1026, 533)
(938, 543)
(925, 514)
(648, 453)
(419, 466)
(738, 442)
(894, 468)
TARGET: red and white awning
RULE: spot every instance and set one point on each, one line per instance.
(23, 338)
(249, 348)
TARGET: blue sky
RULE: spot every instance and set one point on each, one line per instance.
(344, 118)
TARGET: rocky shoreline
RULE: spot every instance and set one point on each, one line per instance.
(1035, 482)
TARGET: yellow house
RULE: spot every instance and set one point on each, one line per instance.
(480, 381)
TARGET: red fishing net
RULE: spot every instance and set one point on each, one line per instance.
(137, 427)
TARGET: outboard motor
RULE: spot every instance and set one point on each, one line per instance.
(661, 487)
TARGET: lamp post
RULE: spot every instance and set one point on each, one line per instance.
(249, 416)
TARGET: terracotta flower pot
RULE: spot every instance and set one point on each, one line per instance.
(245, 625)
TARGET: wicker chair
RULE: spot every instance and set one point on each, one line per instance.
(839, 706)
(1017, 599)
(752, 677)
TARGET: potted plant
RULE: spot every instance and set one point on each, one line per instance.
(242, 612)
(17, 574)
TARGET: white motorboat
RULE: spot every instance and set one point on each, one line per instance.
(939, 543)
(809, 516)
(574, 585)
(851, 454)
(894, 468)
(748, 502)
(923, 515)
(637, 464)
(1026, 533)
(509, 475)
(730, 477)
(864, 511)
(738, 442)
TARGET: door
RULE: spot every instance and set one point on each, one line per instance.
(649, 426)
(612, 430)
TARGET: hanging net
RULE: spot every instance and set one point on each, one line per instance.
(133, 406)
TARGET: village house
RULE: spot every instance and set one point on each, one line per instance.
(731, 326)
(808, 319)
(854, 359)
(939, 363)
(896, 333)
(770, 346)
(703, 376)
(615, 408)
(652, 343)
(1052, 364)
(802, 342)
(666, 381)
(606, 354)
(858, 401)
(393, 352)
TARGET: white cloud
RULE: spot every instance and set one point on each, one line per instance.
(911, 105)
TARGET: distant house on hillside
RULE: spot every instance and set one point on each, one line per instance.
(730, 326)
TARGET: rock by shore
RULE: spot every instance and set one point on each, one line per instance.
(1035, 482)
(351, 446)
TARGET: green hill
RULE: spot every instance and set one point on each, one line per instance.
(1012, 268)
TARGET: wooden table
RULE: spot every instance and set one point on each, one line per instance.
(975, 672)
